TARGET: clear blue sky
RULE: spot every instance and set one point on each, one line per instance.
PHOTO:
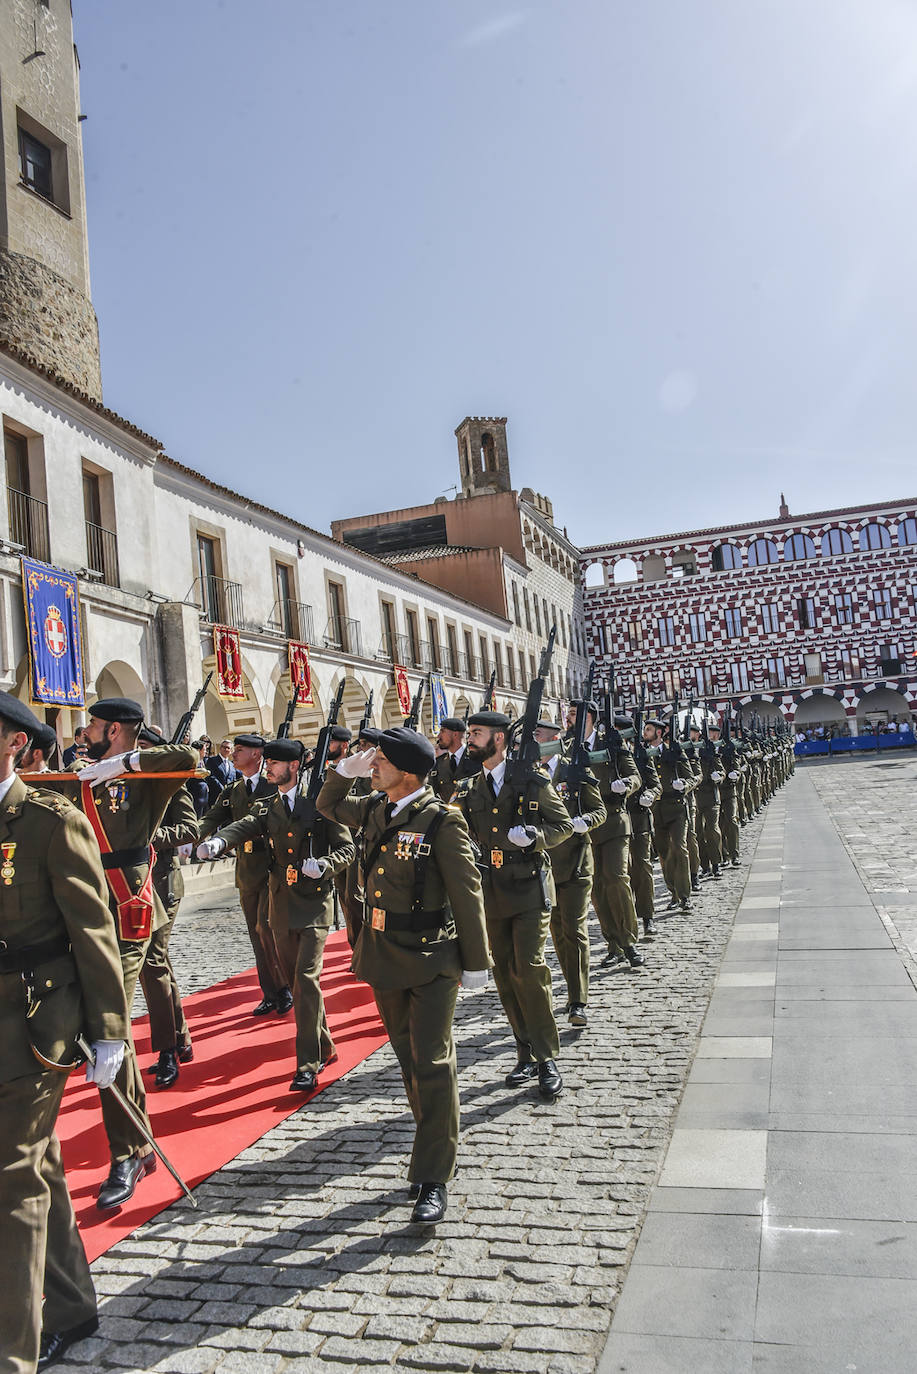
(671, 240)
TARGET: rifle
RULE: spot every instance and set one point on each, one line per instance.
(367, 713)
(578, 768)
(641, 752)
(524, 752)
(490, 701)
(413, 719)
(672, 751)
(708, 748)
(287, 723)
(184, 725)
(320, 762)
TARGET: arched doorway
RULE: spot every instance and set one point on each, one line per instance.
(225, 716)
(820, 709)
(879, 706)
(308, 718)
(391, 710)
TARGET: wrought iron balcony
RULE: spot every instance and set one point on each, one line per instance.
(29, 524)
(220, 600)
(293, 619)
(102, 553)
(344, 635)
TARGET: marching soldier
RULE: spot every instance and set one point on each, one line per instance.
(640, 810)
(707, 813)
(731, 768)
(455, 762)
(253, 865)
(670, 813)
(513, 829)
(306, 851)
(423, 932)
(347, 882)
(60, 975)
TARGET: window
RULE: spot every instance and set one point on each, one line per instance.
(562, 629)
(849, 663)
(537, 616)
(733, 619)
(413, 637)
(907, 532)
(452, 644)
(684, 565)
(510, 667)
(101, 540)
(498, 662)
(634, 633)
(532, 668)
(485, 661)
(703, 680)
(207, 555)
(769, 620)
(28, 515)
(433, 636)
(287, 606)
(388, 628)
(883, 600)
(890, 656)
(666, 631)
(843, 608)
(469, 655)
(698, 628)
(516, 604)
(762, 551)
(874, 537)
(836, 541)
(776, 672)
(805, 612)
(600, 645)
(528, 613)
(726, 556)
(798, 546)
(547, 623)
(814, 670)
(739, 675)
(671, 682)
(35, 165)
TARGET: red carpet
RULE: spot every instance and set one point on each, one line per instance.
(229, 1096)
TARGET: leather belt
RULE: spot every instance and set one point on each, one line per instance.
(28, 957)
(414, 921)
(126, 858)
(509, 856)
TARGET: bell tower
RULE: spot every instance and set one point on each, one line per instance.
(483, 455)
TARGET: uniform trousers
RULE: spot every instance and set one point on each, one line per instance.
(255, 904)
(168, 1026)
(418, 1022)
(691, 836)
(523, 981)
(709, 840)
(42, 1250)
(612, 896)
(123, 1137)
(346, 886)
(300, 953)
(570, 933)
(729, 822)
(671, 822)
(754, 787)
(641, 873)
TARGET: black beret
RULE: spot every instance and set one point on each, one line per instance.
(407, 750)
(453, 723)
(250, 741)
(657, 723)
(45, 739)
(150, 736)
(592, 706)
(369, 732)
(623, 722)
(549, 725)
(494, 720)
(17, 714)
(120, 709)
(283, 750)
(340, 732)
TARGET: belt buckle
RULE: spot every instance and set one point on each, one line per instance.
(496, 858)
(292, 875)
(377, 918)
(248, 847)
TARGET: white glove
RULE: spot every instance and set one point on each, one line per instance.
(646, 799)
(472, 981)
(107, 1057)
(105, 769)
(619, 786)
(580, 825)
(716, 777)
(678, 785)
(733, 776)
(314, 868)
(519, 835)
(209, 849)
(356, 765)
(184, 851)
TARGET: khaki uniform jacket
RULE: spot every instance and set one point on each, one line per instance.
(441, 778)
(572, 858)
(641, 817)
(392, 959)
(53, 889)
(708, 792)
(512, 876)
(731, 762)
(297, 900)
(179, 826)
(671, 802)
(252, 865)
(617, 822)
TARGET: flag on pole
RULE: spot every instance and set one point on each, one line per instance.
(402, 687)
(438, 700)
(229, 662)
(301, 672)
(52, 617)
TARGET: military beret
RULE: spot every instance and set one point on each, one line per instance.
(250, 741)
(656, 723)
(623, 722)
(592, 706)
(453, 723)
(15, 713)
(120, 709)
(45, 739)
(494, 720)
(340, 732)
(407, 750)
(549, 725)
(370, 733)
(285, 750)
(148, 735)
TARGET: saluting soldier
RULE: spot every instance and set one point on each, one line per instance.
(423, 932)
(60, 975)
(306, 852)
(514, 826)
(455, 762)
(572, 865)
(253, 867)
(124, 814)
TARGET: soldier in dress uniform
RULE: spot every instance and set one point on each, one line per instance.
(347, 882)
(640, 859)
(670, 812)
(124, 815)
(60, 975)
(37, 758)
(454, 762)
(732, 767)
(513, 829)
(707, 811)
(423, 932)
(306, 852)
(253, 866)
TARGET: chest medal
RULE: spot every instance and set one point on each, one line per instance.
(7, 871)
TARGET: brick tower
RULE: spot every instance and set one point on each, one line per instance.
(483, 455)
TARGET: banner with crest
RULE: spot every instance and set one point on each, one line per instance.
(52, 618)
(403, 688)
(438, 700)
(229, 662)
(300, 672)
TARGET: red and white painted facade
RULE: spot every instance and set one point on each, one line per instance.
(822, 631)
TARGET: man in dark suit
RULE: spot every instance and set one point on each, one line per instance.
(221, 769)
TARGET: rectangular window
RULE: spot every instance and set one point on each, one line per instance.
(671, 682)
(849, 664)
(733, 619)
(388, 628)
(532, 667)
(452, 644)
(635, 633)
(843, 608)
(413, 637)
(469, 655)
(527, 607)
(433, 637)
(600, 645)
(703, 680)
(498, 662)
(814, 670)
(666, 631)
(35, 165)
(485, 661)
(516, 604)
(776, 672)
(805, 613)
(211, 583)
(769, 620)
(510, 666)
(890, 659)
(537, 616)
(882, 597)
(698, 628)
(562, 630)
(287, 607)
(740, 679)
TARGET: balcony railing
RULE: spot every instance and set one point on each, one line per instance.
(220, 600)
(29, 524)
(293, 619)
(102, 553)
(344, 635)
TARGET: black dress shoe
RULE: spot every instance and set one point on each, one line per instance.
(185, 1054)
(122, 1179)
(578, 1015)
(549, 1080)
(634, 957)
(735, 863)
(284, 1001)
(649, 926)
(166, 1069)
(685, 905)
(55, 1344)
(523, 1073)
(430, 1206)
(612, 957)
(695, 885)
(716, 872)
(264, 1006)
(304, 1081)
(704, 873)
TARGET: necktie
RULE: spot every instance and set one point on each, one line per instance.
(453, 765)
(250, 786)
(389, 812)
(491, 785)
(289, 808)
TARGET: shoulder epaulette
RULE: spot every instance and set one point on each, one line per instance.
(51, 801)
(539, 778)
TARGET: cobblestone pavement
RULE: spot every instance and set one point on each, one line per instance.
(302, 1257)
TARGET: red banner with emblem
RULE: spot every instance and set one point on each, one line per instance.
(229, 662)
(300, 672)
(403, 688)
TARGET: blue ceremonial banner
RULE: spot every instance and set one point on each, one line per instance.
(438, 701)
(52, 618)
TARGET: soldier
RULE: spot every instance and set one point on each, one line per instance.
(513, 828)
(124, 816)
(455, 762)
(253, 864)
(707, 810)
(57, 933)
(423, 932)
(732, 766)
(37, 758)
(347, 883)
(572, 865)
(670, 814)
(306, 852)
(640, 810)
(169, 1033)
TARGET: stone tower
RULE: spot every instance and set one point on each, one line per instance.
(483, 455)
(45, 305)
